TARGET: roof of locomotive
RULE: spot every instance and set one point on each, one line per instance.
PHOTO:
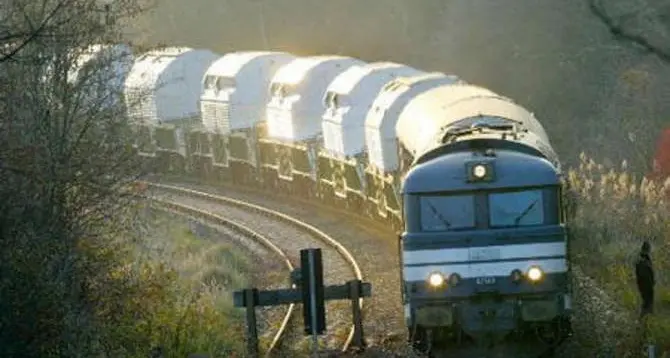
(443, 114)
(449, 173)
(428, 112)
(443, 119)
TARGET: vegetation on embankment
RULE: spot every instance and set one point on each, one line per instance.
(187, 307)
(73, 282)
(615, 212)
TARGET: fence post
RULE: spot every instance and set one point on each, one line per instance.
(355, 292)
(252, 331)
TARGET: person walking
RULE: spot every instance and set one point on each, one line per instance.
(644, 274)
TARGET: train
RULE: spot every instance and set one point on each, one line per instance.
(467, 177)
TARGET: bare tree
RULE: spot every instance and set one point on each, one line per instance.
(65, 153)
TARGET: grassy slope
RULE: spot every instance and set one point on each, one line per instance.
(195, 312)
(616, 212)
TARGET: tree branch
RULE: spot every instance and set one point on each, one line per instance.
(34, 33)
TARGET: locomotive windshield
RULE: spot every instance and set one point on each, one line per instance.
(504, 209)
(442, 213)
(519, 208)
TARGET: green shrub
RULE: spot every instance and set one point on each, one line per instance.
(183, 299)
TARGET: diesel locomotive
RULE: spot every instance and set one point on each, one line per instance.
(484, 250)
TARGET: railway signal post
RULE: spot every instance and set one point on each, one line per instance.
(313, 302)
(310, 291)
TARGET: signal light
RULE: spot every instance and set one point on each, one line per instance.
(480, 171)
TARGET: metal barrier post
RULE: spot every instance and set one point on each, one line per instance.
(355, 293)
(252, 331)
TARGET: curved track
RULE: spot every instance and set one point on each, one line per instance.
(247, 232)
(180, 194)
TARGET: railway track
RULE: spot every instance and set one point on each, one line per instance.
(592, 304)
(291, 236)
(247, 233)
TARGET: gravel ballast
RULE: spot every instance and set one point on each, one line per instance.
(291, 240)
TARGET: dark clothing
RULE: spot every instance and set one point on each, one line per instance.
(644, 274)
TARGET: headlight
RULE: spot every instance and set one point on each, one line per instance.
(516, 275)
(436, 279)
(479, 171)
(535, 274)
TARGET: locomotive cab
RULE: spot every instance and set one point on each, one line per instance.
(484, 251)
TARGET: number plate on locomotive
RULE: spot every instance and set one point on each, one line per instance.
(485, 280)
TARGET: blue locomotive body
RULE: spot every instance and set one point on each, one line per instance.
(485, 256)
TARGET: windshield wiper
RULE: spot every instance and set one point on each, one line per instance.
(526, 211)
(438, 215)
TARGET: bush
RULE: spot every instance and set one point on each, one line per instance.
(616, 211)
(182, 297)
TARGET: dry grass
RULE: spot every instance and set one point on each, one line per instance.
(615, 212)
(193, 273)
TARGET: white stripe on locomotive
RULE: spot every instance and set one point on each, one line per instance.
(474, 254)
